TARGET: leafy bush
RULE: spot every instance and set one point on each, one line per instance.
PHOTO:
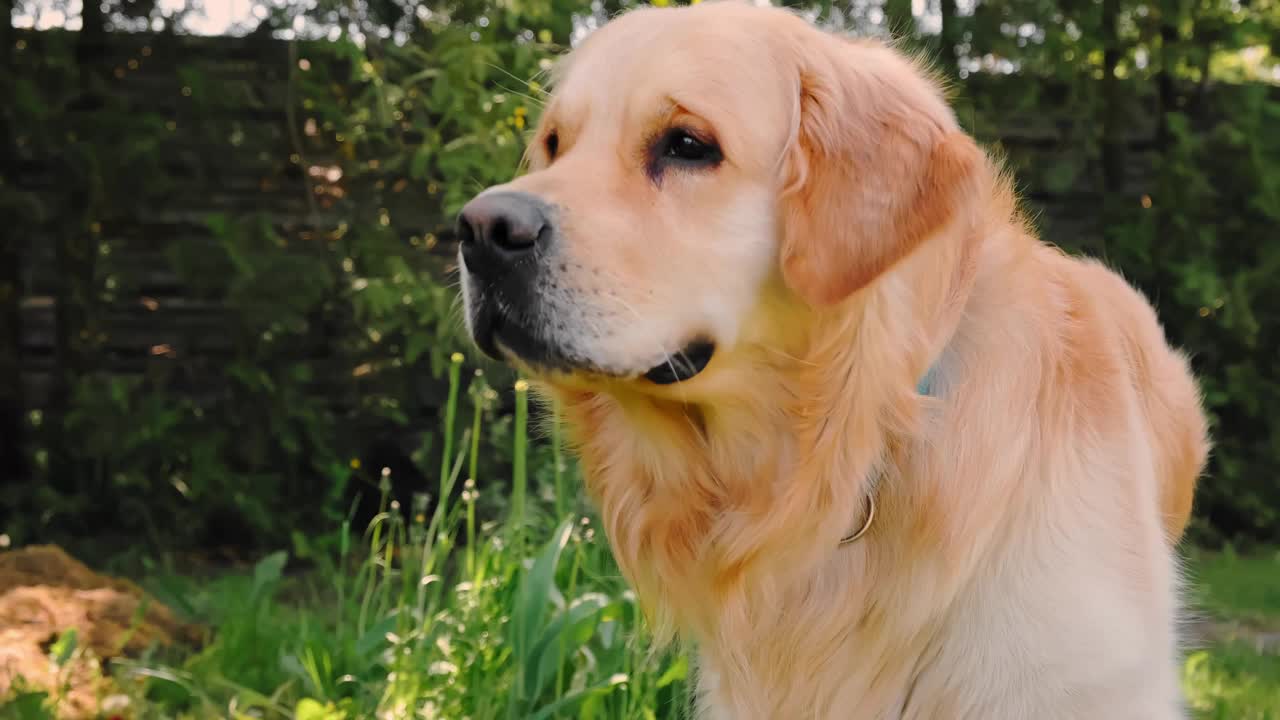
(325, 360)
(434, 614)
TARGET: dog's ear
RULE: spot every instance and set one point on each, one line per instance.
(877, 165)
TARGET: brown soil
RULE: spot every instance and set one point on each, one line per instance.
(43, 593)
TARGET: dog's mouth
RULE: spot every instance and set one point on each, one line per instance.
(684, 365)
(505, 339)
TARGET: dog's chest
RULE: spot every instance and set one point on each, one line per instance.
(1040, 629)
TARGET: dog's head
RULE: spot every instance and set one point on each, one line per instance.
(700, 179)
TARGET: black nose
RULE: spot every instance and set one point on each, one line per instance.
(497, 230)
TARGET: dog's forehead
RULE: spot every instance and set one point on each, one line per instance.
(710, 59)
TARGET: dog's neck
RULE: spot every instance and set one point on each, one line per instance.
(728, 500)
(868, 515)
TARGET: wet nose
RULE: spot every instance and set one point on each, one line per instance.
(497, 230)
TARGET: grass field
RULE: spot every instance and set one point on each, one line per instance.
(441, 617)
(1235, 675)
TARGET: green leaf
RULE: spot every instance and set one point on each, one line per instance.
(27, 705)
(574, 698)
(301, 546)
(219, 224)
(1061, 174)
(679, 670)
(64, 647)
(375, 638)
(418, 343)
(532, 601)
(309, 709)
(568, 631)
(269, 570)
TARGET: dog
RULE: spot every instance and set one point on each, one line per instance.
(855, 434)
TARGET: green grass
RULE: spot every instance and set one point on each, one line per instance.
(1231, 681)
(448, 617)
(1231, 678)
(1244, 588)
(434, 617)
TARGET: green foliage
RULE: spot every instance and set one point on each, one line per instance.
(331, 336)
(401, 626)
(27, 705)
(338, 318)
(1239, 586)
(340, 326)
(1234, 677)
(1201, 252)
(1233, 683)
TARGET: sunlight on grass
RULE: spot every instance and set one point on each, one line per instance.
(1231, 679)
(1232, 682)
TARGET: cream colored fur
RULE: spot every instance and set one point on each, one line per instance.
(1021, 564)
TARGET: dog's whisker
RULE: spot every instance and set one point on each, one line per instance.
(787, 356)
(668, 360)
(536, 102)
(513, 76)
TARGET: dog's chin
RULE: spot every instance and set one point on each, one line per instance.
(551, 364)
(540, 356)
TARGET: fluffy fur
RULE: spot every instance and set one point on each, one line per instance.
(1021, 563)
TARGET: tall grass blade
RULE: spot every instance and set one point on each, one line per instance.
(519, 473)
(557, 464)
(469, 486)
(532, 603)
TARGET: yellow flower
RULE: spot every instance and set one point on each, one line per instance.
(661, 3)
(355, 463)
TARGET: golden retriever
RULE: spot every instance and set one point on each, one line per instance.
(855, 434)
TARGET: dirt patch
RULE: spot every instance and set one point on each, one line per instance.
(44, 593)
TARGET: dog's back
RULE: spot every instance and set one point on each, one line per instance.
(1167, 390)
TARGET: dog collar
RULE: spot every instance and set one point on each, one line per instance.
(925, 387)
(866, 524)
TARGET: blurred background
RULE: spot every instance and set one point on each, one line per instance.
(228, 330)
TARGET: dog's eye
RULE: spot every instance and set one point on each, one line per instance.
(552, 143)
(684, 146)
(682, 149)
